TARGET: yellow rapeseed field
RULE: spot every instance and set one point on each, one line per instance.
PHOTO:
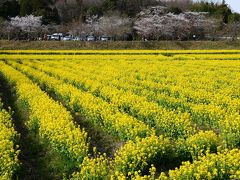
(177, 113)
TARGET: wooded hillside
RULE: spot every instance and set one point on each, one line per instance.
(119, 19)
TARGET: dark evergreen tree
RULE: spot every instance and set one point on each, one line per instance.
(9, 8)
(110, 4)
(175, 10)
(38, 4)
(25, 7)
(39, 8)
(48, 15)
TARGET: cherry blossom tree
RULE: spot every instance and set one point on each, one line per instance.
(29, 24)
(113, 25)
(156, 23)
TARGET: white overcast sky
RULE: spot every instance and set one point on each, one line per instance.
(235, 5)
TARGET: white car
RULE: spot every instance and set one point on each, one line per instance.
(56, 36)
(67, 38)
(104, 38)
(91, 38)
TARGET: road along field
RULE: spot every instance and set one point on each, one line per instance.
(120, 114)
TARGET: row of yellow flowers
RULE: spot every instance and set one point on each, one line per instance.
(124, 56)
(9, 150)
(48, 118)
(120, 51)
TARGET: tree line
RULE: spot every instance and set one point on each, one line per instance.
(121, 17)
(64, 11)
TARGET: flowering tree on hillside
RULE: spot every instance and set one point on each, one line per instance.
(114, 25)
(29, 24)
(157, 24)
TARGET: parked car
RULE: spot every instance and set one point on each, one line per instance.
(104, 38)
(67, 38)
(91, 38)
(56, 36)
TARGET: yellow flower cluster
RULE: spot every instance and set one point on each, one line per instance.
(130, 161)
(138, 156)
(201, 142)
(223, 165)
(48, 118)
(9, 152)
(136, 176)
(230, 129)
(94, 168)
